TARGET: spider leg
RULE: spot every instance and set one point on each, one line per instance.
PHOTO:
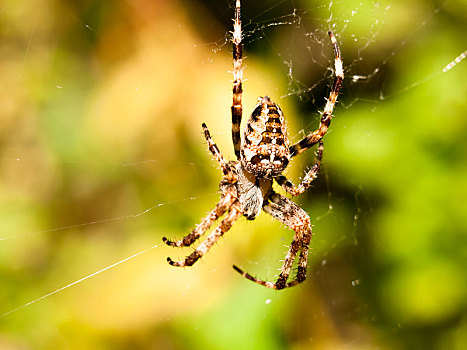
(307, 180)
(302, 260)
(220, 209)
(237, 108)
(226, 169)
(298, 220)
(204, 247)
(313, 137)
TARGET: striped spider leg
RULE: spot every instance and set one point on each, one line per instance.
(290, 214)
(228, 204)
(237, 108)
(313, 137)
(316, 136)
(307, 180)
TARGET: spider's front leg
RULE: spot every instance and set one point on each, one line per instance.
(314, 137)
(307, 180)
(290, 214)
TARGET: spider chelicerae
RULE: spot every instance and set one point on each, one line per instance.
(262, 156)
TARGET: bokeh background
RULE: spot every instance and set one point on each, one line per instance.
(101, 154)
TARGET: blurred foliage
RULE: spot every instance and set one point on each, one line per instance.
(102, 154)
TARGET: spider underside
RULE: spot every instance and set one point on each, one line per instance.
(262, 155)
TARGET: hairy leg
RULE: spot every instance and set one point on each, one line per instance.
(228, 171)
(237, 108)
(307, 180)
(313, 137)
(220, 209)
(290, 214)
(204, 247)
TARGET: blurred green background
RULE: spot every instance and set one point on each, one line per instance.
(101, 154)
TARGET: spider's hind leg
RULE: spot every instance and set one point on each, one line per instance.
(204, 247)
(217, 212)
(228, 204)
(290, 214)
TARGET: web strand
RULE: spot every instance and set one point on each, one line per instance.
(78, 281)
(131, 216)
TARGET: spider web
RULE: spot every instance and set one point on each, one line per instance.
(90, 189)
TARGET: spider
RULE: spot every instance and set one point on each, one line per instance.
(262, 155)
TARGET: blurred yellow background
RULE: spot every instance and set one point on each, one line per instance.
(101, 154)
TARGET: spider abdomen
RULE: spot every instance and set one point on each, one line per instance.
(265, 146)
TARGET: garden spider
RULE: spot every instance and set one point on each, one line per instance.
(262, 156)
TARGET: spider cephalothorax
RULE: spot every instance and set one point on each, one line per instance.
(262, 156)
